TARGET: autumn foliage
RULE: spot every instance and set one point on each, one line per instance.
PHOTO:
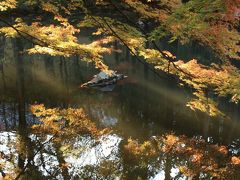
(191, 156)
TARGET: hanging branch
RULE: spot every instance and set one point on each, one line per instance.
(118, 37)
(24, 34)
(171, 60)
(38, 41)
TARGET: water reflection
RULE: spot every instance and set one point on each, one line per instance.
(140, 107)
(46, 161)
(104, 159)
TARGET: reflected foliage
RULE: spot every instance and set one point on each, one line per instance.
(67, 145)
(64, 123)
(193, 157)
(61, 134)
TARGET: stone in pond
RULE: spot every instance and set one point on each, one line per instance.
(104, 78)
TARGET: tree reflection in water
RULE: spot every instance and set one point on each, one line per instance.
(66, 144)
(62, 150)
(48, 163)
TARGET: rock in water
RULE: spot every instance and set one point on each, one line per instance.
(104, 78)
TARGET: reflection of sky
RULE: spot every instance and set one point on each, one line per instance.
(160, 173)
(105, 119)
(85, 152)
(8, 151)
(106, 148)
(234, 148)
(80, 155)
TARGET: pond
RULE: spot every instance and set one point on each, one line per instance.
(142, 106)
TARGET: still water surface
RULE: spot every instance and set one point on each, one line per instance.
(141, 106)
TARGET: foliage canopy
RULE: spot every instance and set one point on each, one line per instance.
(136, 24)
